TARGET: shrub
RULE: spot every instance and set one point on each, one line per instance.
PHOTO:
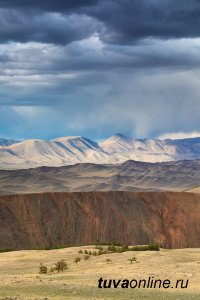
(77, 259)
(99, 247)
(86, 257)
(43, 269)
(112, 248)
(117, 249)
(86, 252)
(123, 248)
(132, 259)
(153, 247)
(101, 252)
(117, 244)
(52, 270)
(61, 265)
(150, 247)
(108, 261)
(80, 251)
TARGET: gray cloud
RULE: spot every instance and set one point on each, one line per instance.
(141, 104)
(81, 58)
(94, 68)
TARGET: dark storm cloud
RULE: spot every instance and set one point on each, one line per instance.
(45, 28)
(92, 56)
(47, 5)
(123, 21)
(130, 20)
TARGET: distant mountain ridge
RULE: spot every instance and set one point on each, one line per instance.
(71, 150)
(130, 176)
(7, 142)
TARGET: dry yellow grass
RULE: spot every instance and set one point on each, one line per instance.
(19, 274)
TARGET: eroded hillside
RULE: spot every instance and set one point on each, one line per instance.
(58, 219)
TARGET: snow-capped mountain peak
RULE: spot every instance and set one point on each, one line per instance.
(76, 149)
(117, 137)
(116, 143)
(7, 142)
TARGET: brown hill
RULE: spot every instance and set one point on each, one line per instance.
(131, 176)
(58, 219)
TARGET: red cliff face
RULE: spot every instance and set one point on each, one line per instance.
(66, 219)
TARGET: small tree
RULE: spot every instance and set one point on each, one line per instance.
(77, 259)
(132, 259)
(43, 269)
(61, 265)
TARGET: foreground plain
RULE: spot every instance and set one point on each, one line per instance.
(19, 274)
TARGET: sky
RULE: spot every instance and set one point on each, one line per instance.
(96, 67)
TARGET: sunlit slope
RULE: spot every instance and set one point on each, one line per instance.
(117, 149)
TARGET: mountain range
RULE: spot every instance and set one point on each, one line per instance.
(128, 176)
(70, 150)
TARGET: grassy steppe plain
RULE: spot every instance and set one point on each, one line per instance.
(19, 278)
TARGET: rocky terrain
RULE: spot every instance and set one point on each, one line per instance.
(128, 176)
(65, 219)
